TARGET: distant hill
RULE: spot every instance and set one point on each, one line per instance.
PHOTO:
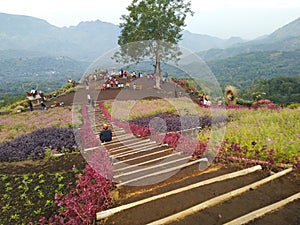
(288, 31)
(286, 38)
(32, 50)
(201, 42)
(86, 41)
(244, 69)
(281, 90)
(18, 75)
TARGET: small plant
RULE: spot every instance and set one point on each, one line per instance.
(6, 207)
(5, 197)
(4, 177)
(20, 187)
(25, 178)
(28, 203)
(8, 187)
(48, 203)
(41, 194)
(42, 181)
(38, 211)
(36, 188)
(60, 186)
(59, 177)
(15, 216)
(23, 196)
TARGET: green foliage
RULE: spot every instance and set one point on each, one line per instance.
(262, 131)
(281, 90)
(244, 102)
(30, 199)
(154, 20)
(19, 75)
(294, 106)
(152, 29)
(243, 70)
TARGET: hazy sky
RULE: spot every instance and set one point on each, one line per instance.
(221, 18)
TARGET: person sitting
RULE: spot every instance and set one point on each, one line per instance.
(205, 100)
(42, 95)
(106, 134)
(111, 82)
(201, 101)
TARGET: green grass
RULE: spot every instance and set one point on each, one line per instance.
(261, 133)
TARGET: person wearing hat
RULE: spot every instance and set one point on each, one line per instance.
(106, 134)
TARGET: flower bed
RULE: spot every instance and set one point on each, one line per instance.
(262, 135)
(98, 158)
(36, 144)
(80, 205)
(263, 103)
(15, 125)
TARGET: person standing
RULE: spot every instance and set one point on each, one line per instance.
(92, 101)
(89, 98)
(220, 103)
(30, 106)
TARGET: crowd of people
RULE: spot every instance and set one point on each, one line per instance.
(37, 96)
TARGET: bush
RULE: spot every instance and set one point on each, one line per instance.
(244, 102)
(293, 106)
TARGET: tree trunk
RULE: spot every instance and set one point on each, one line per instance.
(157, 67)
(158, 75)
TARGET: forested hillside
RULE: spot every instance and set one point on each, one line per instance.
(19, 75)
(282, 90)
(243, 70)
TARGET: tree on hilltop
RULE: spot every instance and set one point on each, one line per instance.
(152, 31)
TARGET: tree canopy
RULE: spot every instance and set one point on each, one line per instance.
(152, 30)
(281, 90)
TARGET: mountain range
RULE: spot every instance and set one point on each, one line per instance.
(31, 47)
(30, 36)
(86, 41)
(286, 38)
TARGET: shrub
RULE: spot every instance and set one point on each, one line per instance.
(293, 106)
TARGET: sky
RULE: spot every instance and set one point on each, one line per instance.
(247, 19)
